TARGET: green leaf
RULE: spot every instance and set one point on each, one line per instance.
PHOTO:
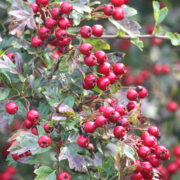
(5, 119)
(121, 33)
(138, 43)
(69, 101)
(4, 92)
(45, 172)
(11, 161)
(115, 87)
(43, 109)
(28, 160)
(175, 38)
(22, 111)
(40, 130)
(98, 44)
(3, 5)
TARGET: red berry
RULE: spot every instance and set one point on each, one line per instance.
(131, 105)
(64, 176)
(115, 117)
(28, 123)
(66, 7)
(119, 132)
(90, 60)
(172, 167)
(126, 1)
(103, 83)
(53, 42)
(144, 134)
(44, 2)
(61, 34)
(147, 167)
(142, 92)
(44, 32)
(22, 155)
(83, 141)
(28, 153)
(145, 73)
(101, 121)
(108, 10)
(47, 128)
(98, 30)
(11, 56)
(90, 147)
(137, 176)
(90, 126)
(105, 68)
(15, 157)
(144, 152)
(56, 13)
(149, 141)
(86, 32)
(118, 14)
(11, 108)
(64, 23)
(117, 2)
(33, 115)
(121, 109)
(162, 153)
(63, 42)
(102, 108)
(157, 69)
(178, 162)
(119, 69)
(154, 131)
(155, 162)
(172, 106)
(44, 141)
(112, 77)
(150, 28)
(125, 45)
(165, 69)
(35, 7)
(85, 86)
(37, 42)
(34, 131)
(176, 151)
(63, 49)
(157, 42)
(51, 23)
(109, 112)
(132, 95)
(125, 123)
(90, 80)
(139, 166)
(86, 49)
(148, 176)
(101, 56)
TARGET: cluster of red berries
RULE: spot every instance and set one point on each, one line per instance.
(8, 173)
(148, 145)
(161, 69)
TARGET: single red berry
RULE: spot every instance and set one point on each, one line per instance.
(118, 14)
(148, 176)
(109, 112)
(144, 152)
(137, 176)
(98, 30)
(11, 56)
(145, 73)
(119, 69)
(44, 141)
(155, 162)
(47, 128)
(28, 123)
(64, 176)
(102, 108)
(112, 77)
(119, 132)
(172, 167)
(132, 95)
(61, 34)
(37, 42)
(44, 2)
(56, 13)
(63, 49)
(131, 105)
(86, 49)
(11, 108)
(154, 147)
(165, 69)
(35, 7)
(125, 45)
(86, 32)
(139, 79)
(22, 155)
(44, 32)
(156, 42)
(124, 5)
(149, 141)
(105, 68)
(176, 151)
(85, 86)
(115, 117)
(51, 23)
(117, 2)
(103, 83)
(66, 7)
(90, 126)
(108, 10)
(162, 153)
(157, 69)
(172, 106)
(28, 153)
(63, 42)
(144, 134)
(154, 131)
(147, 167)
(121, 109)
(33, 115)
(139, 166)
(125, 123)
(64, 23)
(15, 157)
(34, 131)
(90, 80)
(150, 28)
(142, 92)
(83, 141)
(101, 121)
(90, 60)
(53, 42)
(101, 56)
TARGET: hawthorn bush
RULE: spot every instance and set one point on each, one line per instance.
(67, 92)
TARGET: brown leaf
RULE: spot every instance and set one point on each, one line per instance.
(14, 144)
